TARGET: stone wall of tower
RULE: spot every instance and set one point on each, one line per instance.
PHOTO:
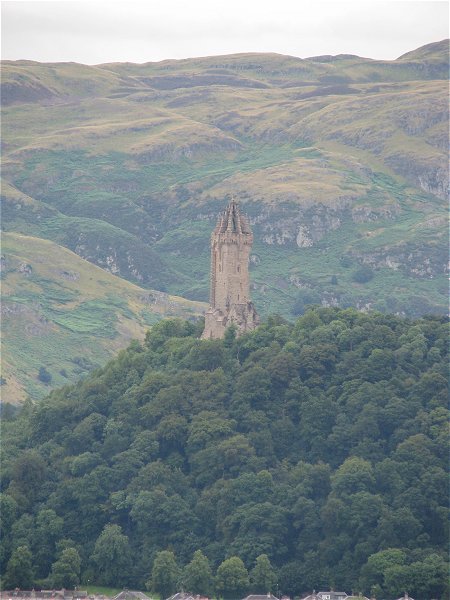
(231, 243)
(230, 254)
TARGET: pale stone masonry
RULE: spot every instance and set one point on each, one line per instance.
(231, 243)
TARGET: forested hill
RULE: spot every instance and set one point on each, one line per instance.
(340, 163)
(321, 444)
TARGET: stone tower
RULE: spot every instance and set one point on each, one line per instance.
(231, 242)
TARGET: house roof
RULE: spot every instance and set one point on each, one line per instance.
(327, 596)
(130, 595)
(182, 596)
(261, 597)
(43, 594)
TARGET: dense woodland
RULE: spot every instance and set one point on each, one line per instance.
(302, 455)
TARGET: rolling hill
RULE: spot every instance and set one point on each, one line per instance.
(67, 315)
(339, 161)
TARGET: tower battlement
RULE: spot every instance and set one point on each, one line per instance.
(231, 242)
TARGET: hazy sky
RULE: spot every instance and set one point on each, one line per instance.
(93, 32)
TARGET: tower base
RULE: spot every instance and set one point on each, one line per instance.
(244, 316)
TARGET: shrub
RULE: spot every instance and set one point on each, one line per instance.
(44, 375)
(305, 297)
(363, 274)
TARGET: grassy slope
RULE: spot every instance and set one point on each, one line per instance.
(30, 81)
(131, 172)
(64, 313)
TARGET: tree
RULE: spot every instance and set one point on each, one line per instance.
(163, 518)
(172, 433)
(254, 385)
(262, 576)
(19, 570)
(112, 556)
(8, 514)
(354, 475)
(197, 575)
(66, 570)
(429, 577)
(48, 530)
(397, 579)
(206, 355)
(44, 375)
(380, 364)
(363, 274)
(290, 578)
(373, 572)
(232, 578)
(166, 329)
(28, 475)
(305, 297)
(255, 529)
(230, 336)
(165, 574)
(282, 369)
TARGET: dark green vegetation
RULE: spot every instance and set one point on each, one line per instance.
(321, 444)
(340, 162)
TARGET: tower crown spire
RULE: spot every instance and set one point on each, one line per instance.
(232, 221)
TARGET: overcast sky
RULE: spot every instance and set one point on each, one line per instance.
(94, 32)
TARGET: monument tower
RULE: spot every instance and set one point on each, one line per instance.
(231, 243)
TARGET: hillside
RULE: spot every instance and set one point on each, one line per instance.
(339, 161)
(321, 444)
(67, 315)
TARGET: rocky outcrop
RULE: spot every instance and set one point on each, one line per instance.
(28, 318)
(293, 225)
(422, 261)
(25, 269)
(431, 176)
(69, 275)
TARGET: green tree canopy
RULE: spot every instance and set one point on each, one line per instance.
(263, 577)
(321, 444)
(232, 578)
(111, 556)
(165, 574)
(66, 570)
(197, 575)
(19, 570)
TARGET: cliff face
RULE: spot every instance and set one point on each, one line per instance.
(430, 175)
(299, 227)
